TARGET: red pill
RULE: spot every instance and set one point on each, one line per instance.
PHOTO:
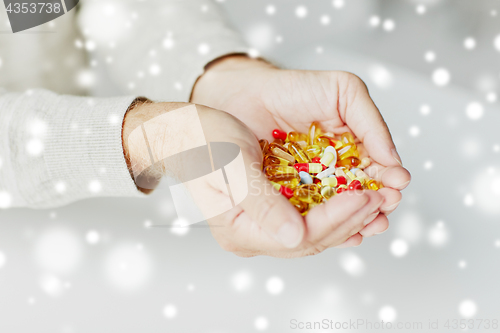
(286, 191)
(341, 188)
(317, 159)
(355, 185)
(279, 134)
(341, 180)
(309, 167)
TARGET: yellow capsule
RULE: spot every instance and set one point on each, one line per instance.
(350, 162)
(347, 138)
(348, 151)
(372, 184)
(280, 151)
(329, 181)
(362, 174)
(314, 131)
(312, 151)
(349, 175)
(286, 179)
(307, 196)
(275, 160)
(327, 158)
(302, 144)
(327, 192)
(301, 206)
(273, 170)
(339, 172)
(365, 163)
(298, 153)
(296, 136)
(361, 180)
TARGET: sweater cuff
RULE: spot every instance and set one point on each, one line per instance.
(76, 148)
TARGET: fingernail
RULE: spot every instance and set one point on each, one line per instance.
(396, 156)
(370, 218)
(402, 186)
(290, 234)
(391, 207)
(379, 233)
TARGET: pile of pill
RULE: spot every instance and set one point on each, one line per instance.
(309, 169)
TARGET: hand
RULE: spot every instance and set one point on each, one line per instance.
(265, 97)
(264, 223)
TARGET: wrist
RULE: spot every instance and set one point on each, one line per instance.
(225, 77)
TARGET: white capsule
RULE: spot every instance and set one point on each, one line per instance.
(326, 173)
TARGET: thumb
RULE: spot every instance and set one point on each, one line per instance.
(273, 213)
(364, 119)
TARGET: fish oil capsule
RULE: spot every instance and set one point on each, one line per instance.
(322, 141)
(314, 131)
(312, 151)
(350, 162)
(309, 167)
(297, 136)
(347, 138)
(273, 170)
(286, 179)
(372, 184)
(327, 192)
(305, 177)
(264, 144)
(328, 158)
(279, 142)
(347, 151)
(280, 151)
(279, 134)
(365, 163)
(275, 160)
(301, 206)
(302, 144)
(309, 187)
(329, 181)
(307, 196)
(341, 189)
(287, 192)
(298, 153)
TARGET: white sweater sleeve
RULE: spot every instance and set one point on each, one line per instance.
(157, 48)
(55, 149)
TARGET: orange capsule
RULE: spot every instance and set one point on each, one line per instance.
(327, 192)
(280, 151)
(307, 196)
(273, 170)
(347, 138)
(264, 144)
(309, 187)
(314, 131)
(312, 151)
(301, 206)
(275, 160)
(350, 162)
(286, 179)
(322, 141)
(279, 142)
(296, 136)
(372, 184)
(298, 153)
(347, 151)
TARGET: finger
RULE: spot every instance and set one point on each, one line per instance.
(394, 177)
(377, 226)
(324, 219)
(364, 119)
(356, 222)
(353, 241)
(392, 199)
(273, 213)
